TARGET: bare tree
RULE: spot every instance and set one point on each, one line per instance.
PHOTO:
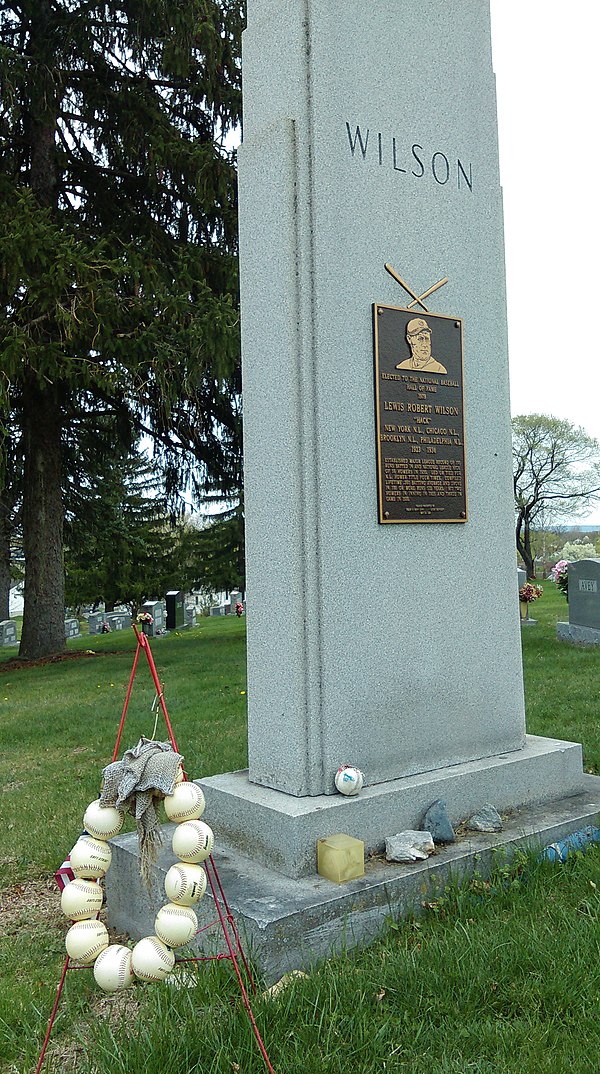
(556, 474)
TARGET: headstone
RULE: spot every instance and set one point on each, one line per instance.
(175, 609)
(189, 615)
(95, 620)
(235, 598)
(583, 627)
(521, 577)
(72, 629)
(352, 160)
(157, 610)
(117, 620)
(8, 632)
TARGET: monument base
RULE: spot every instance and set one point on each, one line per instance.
(281, 831)
(577, 635)
(288, 925)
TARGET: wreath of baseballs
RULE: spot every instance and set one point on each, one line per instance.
(152, 958)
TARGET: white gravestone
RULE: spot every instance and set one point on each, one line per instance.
(370, 137)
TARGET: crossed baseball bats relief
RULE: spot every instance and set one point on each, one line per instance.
(417, 299)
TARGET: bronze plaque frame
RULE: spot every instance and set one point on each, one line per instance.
(419, 416)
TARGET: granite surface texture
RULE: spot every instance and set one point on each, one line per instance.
(286, 926)
(283, 830)
(377, 656)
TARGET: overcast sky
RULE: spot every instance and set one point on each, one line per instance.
(546, 63)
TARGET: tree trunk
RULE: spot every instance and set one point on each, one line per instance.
(5, 578)
(44, 605)
(44, 597)
(524, 545)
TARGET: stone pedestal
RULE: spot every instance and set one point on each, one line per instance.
(286, 925)
(283, 830)
(376, 657)
(369, 137)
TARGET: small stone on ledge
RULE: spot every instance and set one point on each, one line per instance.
(437, 821)
(409, 846)
(486, 819)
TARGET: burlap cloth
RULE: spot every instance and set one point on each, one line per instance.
(135, 785)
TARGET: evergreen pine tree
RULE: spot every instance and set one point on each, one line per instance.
(118, 246)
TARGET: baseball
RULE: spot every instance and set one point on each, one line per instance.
(348, 780)
(81, 899)
(90, 858)
(186, 803)
(175, 925)
(193, 841)
(185, 884)
(151, 959)
(112, 968)
(85, 940)
(102, 822)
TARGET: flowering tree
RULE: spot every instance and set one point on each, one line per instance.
(574, 550)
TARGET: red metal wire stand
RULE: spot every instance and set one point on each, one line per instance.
(224, 919)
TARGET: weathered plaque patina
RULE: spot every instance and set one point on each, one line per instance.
(419, 416)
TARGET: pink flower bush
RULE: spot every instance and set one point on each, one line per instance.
(559, 572)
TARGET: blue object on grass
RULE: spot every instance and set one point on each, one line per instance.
(576, 841)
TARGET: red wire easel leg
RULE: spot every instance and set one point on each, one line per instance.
(233, 957)
(143, 642)
(53, 1015)
(232, 923)
(127, 696)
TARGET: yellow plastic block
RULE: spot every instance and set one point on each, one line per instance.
(340, 858)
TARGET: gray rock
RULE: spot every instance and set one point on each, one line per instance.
(409, 846)
(437, 821)
(486, 819)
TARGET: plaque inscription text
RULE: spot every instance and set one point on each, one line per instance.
(419, 416)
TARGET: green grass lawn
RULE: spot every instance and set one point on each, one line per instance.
(500, 979)
(562, 682)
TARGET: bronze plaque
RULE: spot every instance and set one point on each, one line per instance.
(419, 416)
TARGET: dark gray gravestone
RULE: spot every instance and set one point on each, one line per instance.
(95, 622)
(583, 627)
(158, 612)
(72, 628)
(8, 632)
(118, 620)
(584, 593)
(175, 609)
